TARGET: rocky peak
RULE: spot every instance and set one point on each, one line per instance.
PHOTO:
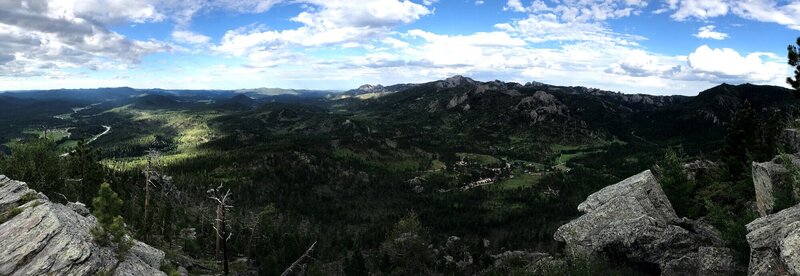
(47, 238)
(454, 81)
(368, 88)
(534, 84)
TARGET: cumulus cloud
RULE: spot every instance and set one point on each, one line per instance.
(638, 63)
(708, 32)
(572, 20)
(581, 10)
(327, 23)
(514, 5)
(726, 64)
(46, 36)
(104, 11)
(771, 11)
(700, 9)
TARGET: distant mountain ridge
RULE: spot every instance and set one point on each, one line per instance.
(458, 99)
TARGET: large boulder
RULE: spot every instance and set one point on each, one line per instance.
(769, 178)
(643, 189)
(775, 243)
(634, 220)
(46, 238)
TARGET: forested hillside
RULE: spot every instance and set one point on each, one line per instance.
(449, 177)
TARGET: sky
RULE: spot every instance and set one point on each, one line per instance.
(632, 46)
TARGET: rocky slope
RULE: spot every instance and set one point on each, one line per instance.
(39, 237)
(769, 179)
(774, 238)
(634, 220)
(775, 243)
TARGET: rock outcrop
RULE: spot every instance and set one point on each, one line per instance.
(40, 237)
(634, 220)
(542, 105)
(454, 81)
(769, 178)
(775, 243)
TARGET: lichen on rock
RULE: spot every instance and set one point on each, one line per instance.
(634, 220)
(48, 238)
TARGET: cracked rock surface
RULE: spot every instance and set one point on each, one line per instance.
(775, 243)
(46, 238)
(634, 220)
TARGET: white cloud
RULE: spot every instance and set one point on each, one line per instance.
(327, 23)
(771, 11)
(581, 10)
(106, 11)
(394, 42)
(638, 63)
(700, 9)
(45, 37)
(488, 39)
(572, 20)
(547, 27)
(726, 64)
(188, 37)
(244, 6)
(514, 5)
(707, 32)
(478, 2)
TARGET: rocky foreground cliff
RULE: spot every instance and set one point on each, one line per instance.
(634, 221)
(40, 237)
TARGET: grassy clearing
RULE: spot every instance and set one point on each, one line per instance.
(67, 145)
(568, 153)
(519, 181)
(481, 159)
(52, 134)
(437, 165)
(564, 158)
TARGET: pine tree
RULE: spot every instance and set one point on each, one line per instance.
(677, 186)
(36, 162)
(84, 172)
(741, 141)
(108, 209)
(407, 248)
(794, 61)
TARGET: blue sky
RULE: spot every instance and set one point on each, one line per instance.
(632, 46)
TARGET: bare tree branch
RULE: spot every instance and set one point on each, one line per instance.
(299, 261)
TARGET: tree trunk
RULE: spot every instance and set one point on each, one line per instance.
(224, 244)
(146, 206)
(219, 230)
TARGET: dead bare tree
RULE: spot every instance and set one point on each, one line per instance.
(222, 199)
(152, 175)
(296, 264)
(252, 223)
